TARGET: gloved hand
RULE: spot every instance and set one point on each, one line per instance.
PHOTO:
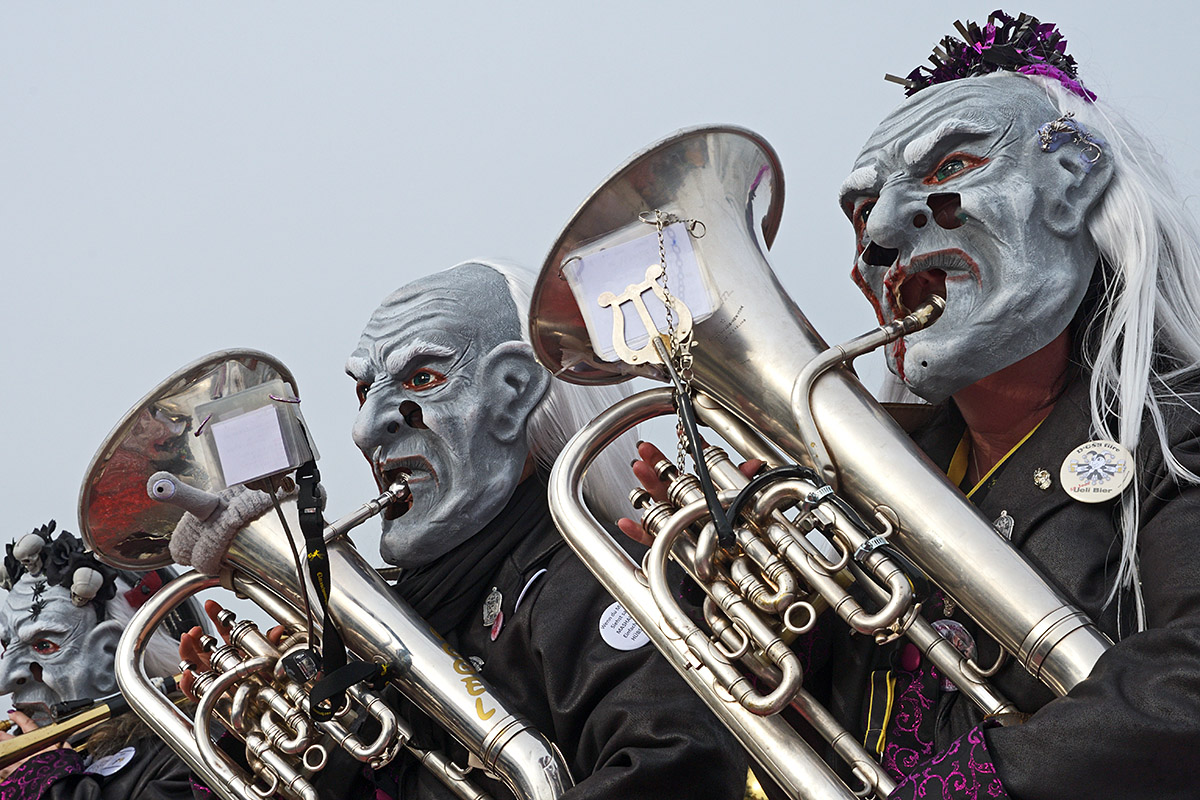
(203, 535)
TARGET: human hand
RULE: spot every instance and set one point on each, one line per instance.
(644, 470)
(26, 725)
(202, 543)
(191, 651)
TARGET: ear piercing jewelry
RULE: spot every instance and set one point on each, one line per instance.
(1052, 135)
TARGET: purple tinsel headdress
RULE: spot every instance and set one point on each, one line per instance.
(1022, 44)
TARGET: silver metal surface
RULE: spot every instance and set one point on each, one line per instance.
(769, 740)
(770, 384)
(379, 626)
(748, 356)
(117, 519)
(273, 717)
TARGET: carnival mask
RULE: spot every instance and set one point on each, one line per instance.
(954, 194)
(54, 650)
(445, 386)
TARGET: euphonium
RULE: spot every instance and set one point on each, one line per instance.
(258, 689)
(861, 502)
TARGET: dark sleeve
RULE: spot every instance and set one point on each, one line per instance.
(634, 726)
(1132, 729)
(154, 773)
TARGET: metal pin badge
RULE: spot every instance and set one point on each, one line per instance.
(491, 606)
(1096, 471)
(1041, 479)
(1004, 525)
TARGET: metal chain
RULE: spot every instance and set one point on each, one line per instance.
(680, 348)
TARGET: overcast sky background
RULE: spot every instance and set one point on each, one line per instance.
(177, 178)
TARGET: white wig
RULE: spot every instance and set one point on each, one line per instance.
(566, 408)
(1143, 340)
(1146, 329)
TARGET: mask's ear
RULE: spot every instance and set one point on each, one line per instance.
(1080, 183)
(100, 645)
(514, 384)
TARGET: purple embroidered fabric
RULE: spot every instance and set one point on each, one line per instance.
(199, 790)
(963, 771)
(39, 773)
(909, 739)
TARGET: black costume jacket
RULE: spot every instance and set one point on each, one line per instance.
(1132, 729)
(628, 726)
(153, 772)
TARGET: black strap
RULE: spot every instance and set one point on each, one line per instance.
(881, 695)
(333, 650)
(687, 419)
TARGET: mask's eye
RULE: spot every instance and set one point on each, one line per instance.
(361, 389)
(861, 215)
(424, 379)
(44, 647)
(954, 165)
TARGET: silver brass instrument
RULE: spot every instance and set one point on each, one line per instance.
(248, 691)
(767, 383)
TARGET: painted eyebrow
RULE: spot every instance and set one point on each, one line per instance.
(397, 362)
(860, 180)
(358, 368)
(919, 149)
(31, 636)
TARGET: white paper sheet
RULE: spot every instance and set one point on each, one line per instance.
(613, 269)
(250, 445)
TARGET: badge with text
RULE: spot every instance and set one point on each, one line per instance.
(1096, 471)
(619, 631)
(111, 764)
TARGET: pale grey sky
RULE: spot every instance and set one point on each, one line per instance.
(176, 178)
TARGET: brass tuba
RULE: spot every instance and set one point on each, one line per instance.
(258, 690)
(861, 503)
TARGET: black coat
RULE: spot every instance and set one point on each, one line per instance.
(153, 772)
(1132, 728)
(628, 726)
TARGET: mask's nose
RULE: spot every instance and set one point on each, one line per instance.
(893, 222)
(16, 670)
(381, 421)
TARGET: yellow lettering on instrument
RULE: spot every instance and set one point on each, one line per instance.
(479, 712)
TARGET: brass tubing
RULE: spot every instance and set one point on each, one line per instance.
(778, 749)
(734, 606)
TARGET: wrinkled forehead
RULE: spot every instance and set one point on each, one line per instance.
(998, 105)
(57, 615)
(467, 306)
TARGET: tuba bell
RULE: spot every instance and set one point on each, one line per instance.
(662, 272)
(258, 689)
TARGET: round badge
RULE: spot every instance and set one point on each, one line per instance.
(619, 631)
(111, 764)
(1096, 471)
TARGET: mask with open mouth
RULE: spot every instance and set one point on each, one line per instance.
(446, 386)
(953, 195)
(54, 650)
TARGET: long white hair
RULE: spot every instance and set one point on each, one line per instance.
(566, 408)
(1144, 336)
